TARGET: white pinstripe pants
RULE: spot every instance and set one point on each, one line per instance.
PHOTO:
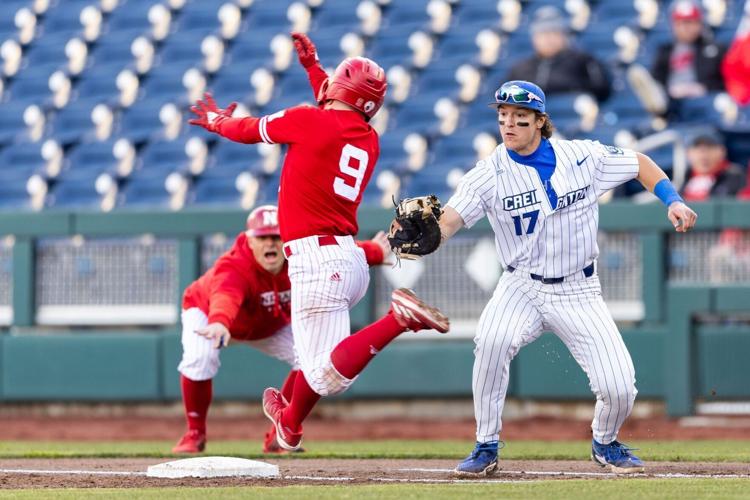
(327, 281)
(519, 310)
(200, 359)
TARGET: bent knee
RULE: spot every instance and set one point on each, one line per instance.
(326, 380)
(199, 367)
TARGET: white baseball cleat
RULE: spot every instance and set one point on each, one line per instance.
(413, 314)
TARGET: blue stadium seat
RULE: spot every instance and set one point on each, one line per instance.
(11, 121)
(232, 82)
(624, 110)
(457, 149)
(7, 17)
(114, 48)
(48, 51)
(599, 42)
(437, 80)
(252, 47)
(64, 19)
(460, 44)
(164, 155)
(145, 189)
(200, 16)
(268, 15)
(31, 85)
(13, 196)
(336, 15)
(92, 157)
(429, 180)
(141, 120)
(166, 80)
(269, 191)
(328, 42)
(416, 115)
(216, 191)
(74, 190)
(73, 122)
(391, 46)
(23, 155)
(476, 14)
(406, 13)
(372, 195)
(132, 14)
(294, 83)
(182, 49)
(229, 155)
(100, 82)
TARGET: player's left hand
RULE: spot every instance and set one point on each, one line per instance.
(216, 332)
(209, 114)
(681, 216)
(381, 239)
(306, 51)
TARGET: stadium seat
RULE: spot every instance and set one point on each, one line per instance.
(74, 189)
(11, 121)
(13, 196)
(216, 191)
(31, 85)
(164, 155)
(73, 122)
(132, 14)
(230, 155)
(92, 157)
(146, 190)
(114, 48)
(141, 120)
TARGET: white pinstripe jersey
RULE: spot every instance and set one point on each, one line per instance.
(530, 234)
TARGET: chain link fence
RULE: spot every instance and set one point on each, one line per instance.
(461, 277)
(717, 257)
(106, 281)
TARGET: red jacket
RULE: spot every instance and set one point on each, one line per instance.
(251, 302)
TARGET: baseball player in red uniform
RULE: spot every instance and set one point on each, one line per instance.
(331, 156)
(245, 296)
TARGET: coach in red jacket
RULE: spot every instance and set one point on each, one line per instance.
(245, 296)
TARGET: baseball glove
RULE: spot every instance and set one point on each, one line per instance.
(415, 230)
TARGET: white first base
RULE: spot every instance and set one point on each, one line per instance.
(213, 467)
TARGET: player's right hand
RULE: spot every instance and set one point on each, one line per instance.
(209, 114)
(681, 216)
(216, 332)
(306, 51)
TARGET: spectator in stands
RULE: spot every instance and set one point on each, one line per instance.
(689, 65)
(736, 64)
(711, 173)
(556, 66)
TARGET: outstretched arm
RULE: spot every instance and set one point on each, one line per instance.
(308, 58)
(220, 121)
(655, 180)
(450, 222)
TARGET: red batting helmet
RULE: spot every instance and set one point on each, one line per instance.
(358, 82)
(263, 221)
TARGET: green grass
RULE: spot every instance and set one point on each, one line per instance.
(682, 451)
(630, 489)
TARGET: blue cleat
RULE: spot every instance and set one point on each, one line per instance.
(618, 457)
(481, 462)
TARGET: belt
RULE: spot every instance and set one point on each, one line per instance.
(588, 271)
(322, 241)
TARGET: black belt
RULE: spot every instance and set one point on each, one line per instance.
(588, 271)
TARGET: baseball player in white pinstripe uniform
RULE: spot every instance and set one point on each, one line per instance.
(540, 196)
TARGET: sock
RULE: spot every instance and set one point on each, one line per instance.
(288, 387)
(196, 395)
(353, 353)
(301, 403)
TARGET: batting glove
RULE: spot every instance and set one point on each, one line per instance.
(306, 51)
(209, 114)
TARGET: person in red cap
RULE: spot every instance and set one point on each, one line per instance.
(246, 297)
(329, 162)
(690, 65)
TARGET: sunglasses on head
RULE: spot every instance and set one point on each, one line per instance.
(516, 94)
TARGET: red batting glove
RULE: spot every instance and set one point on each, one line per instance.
(209, 114)
(306, 51)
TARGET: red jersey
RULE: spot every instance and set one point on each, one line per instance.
(238, 293)
(251, 302)
(330, 160)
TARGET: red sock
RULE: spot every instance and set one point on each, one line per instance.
(196, 395)
(354, 352)
(288, 387)
(301, 403)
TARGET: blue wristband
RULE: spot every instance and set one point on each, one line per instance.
(665, 191)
